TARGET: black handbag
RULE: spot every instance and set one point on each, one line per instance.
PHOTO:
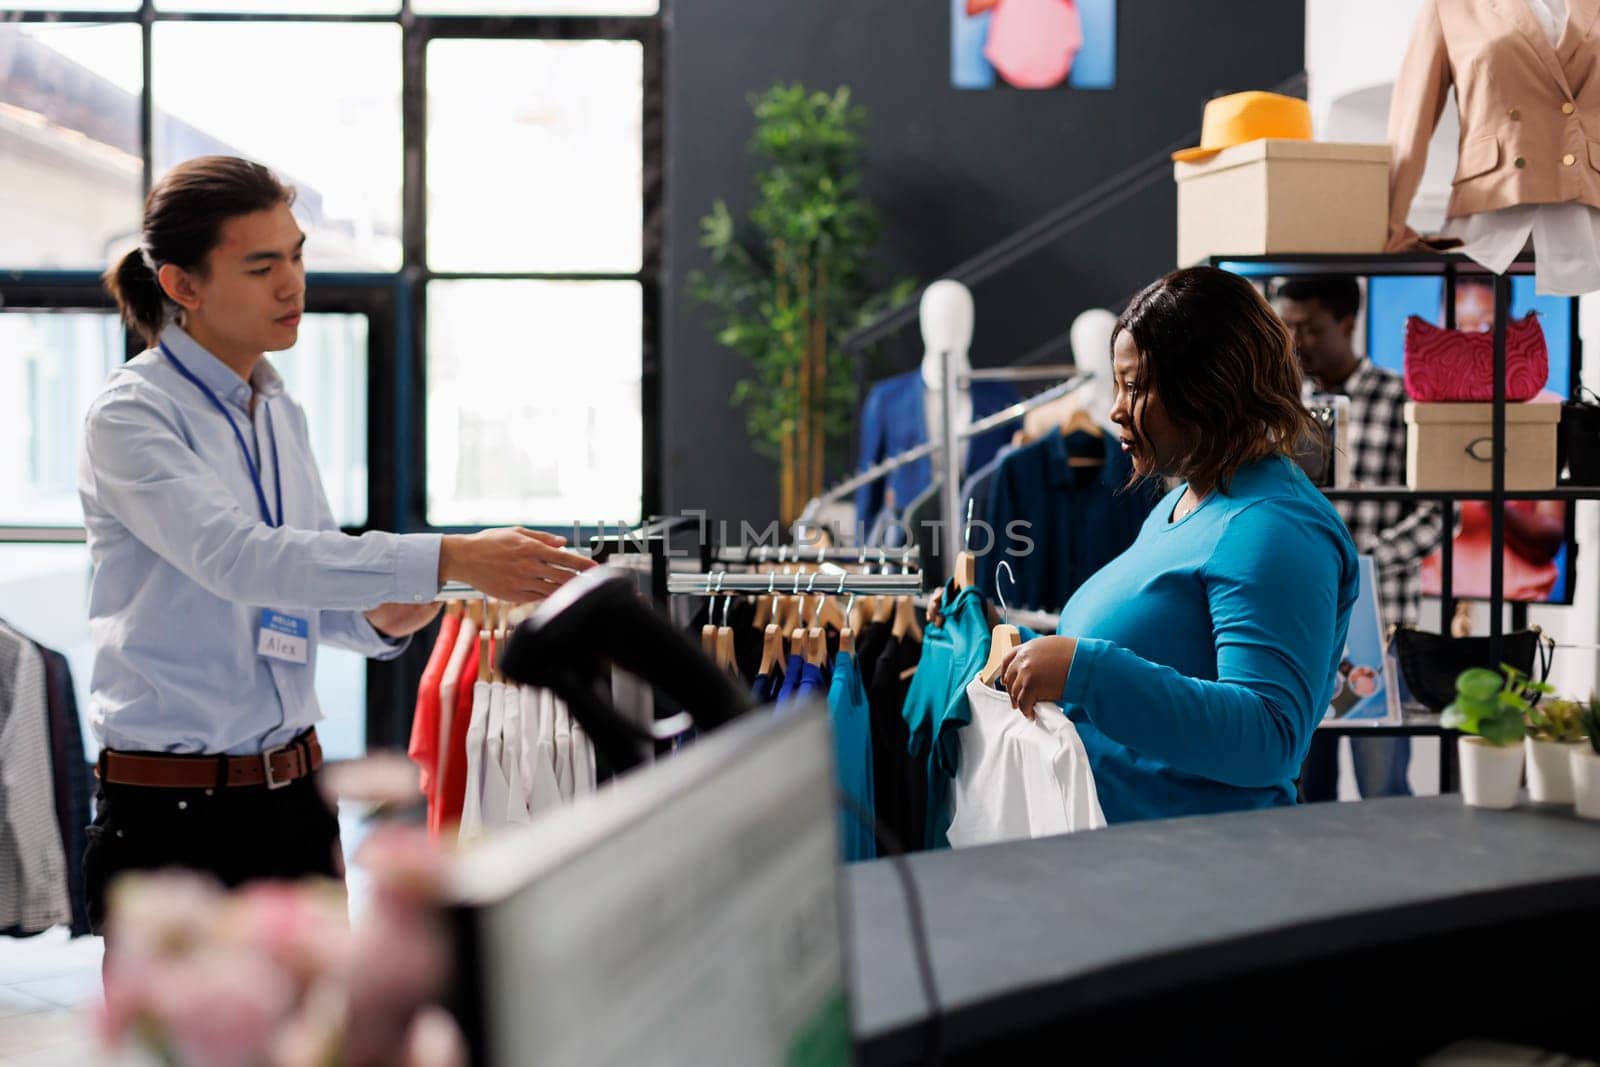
(1578, 441)
(1431, 663)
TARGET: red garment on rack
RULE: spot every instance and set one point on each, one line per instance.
(444, 808)
(424, 745)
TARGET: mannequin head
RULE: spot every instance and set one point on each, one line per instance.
(947, 315)
(1091, 351)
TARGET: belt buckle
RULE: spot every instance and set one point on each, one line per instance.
(266, 766)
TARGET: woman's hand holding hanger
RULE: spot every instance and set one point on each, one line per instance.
(512, 564)
(1037, 671)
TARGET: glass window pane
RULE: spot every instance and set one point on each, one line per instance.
(52, 364)
(326, 373)
(70, 169)
(71, 5)
(533, 402)
(44, 595)
(536, 7)
(535, 156)
(332, 129)
(284, 7)
(342, 692)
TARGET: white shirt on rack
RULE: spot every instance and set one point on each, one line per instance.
(544, 790)
(1566, 237)
(512, 755)
(1019, 778)
(495, 788)
(477, 735)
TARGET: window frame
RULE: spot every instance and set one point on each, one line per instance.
(396, 303)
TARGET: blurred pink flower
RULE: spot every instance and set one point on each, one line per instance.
(403, 860)
(217, 1009)
(161, 915)
(303, 927)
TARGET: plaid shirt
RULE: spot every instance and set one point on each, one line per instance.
(1397, 534)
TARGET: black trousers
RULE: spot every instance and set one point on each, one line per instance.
(236, 835)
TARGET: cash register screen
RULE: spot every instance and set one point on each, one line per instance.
(688, 913)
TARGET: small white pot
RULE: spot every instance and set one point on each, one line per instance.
(1550, 770)
(1585, 766)
(1490, 774)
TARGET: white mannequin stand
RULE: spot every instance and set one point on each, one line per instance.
(947, 318)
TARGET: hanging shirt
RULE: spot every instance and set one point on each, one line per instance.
(453, 745)
(793, 670)
(1207, 652)
(424, 745)
(513, 759)
(563, 751)
(33, 866)
(1070, 521)
(495, 788)
(1019, 778)
(544, 791)
(460, 672)
(583, 763)
(900, 781)
(851, 720)
(936, 705)
(184, 563)
(477, 737)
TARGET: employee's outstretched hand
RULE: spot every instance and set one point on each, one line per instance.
(1037, 671)
(511, 564)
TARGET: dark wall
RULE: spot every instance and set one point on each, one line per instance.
(951, 172)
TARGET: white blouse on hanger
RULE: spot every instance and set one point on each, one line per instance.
(1566, 237)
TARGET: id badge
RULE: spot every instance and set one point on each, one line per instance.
(283, 637)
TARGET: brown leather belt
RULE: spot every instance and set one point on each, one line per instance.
(274, 768)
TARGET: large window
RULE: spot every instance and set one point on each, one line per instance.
(479, 182)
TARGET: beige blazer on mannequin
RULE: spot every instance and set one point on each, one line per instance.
(1530, 113)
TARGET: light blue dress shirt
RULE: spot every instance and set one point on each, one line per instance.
(184, 564)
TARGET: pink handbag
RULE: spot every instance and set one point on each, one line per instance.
(1452, 366)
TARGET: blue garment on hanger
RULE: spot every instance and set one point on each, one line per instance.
(792, 671)
(894, 420)
(851, 718)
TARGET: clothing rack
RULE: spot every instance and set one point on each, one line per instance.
(908, 556)
(1043, 622)
(722, 583)
(950, 446)
(1042, 373)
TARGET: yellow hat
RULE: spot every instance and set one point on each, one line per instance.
(1234, 120)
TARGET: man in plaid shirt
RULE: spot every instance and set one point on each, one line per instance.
(1321, 314)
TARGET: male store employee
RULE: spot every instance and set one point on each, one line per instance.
(218, 567)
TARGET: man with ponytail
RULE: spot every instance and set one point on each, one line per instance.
(218, 567)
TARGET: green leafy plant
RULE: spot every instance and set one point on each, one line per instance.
(1589, 716)
(1494, 705)
(784, 291)
(1556, 720)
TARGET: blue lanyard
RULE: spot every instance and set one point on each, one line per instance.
(249, 461)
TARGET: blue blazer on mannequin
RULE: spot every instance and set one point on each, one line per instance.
(894, 420)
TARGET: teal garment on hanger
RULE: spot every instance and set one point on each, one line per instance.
(851, 719)
(952, 655)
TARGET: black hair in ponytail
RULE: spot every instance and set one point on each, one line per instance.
(183, 217)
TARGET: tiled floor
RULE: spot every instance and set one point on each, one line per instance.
(48, 988)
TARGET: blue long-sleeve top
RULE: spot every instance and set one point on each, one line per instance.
(1207, 652)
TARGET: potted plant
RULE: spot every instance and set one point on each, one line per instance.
(1554, 730)
(1494, 709)
(786, 288)
(1585, 763)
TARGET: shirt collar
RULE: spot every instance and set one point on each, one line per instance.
(1363, 369)
(217, 375)
(1061, 471)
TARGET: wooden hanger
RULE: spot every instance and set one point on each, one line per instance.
(1005, 637)
(771, 637)
(485, 656)
(708, 632)
(905, 619)
(456, 608)
(1080, 421)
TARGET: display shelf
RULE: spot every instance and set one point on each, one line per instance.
(1450, 266)
(1366, 263)
(1400, 492)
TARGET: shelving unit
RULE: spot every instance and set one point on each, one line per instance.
(1450, 267)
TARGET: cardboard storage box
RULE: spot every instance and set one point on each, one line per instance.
(1449, 446)
(1267, 197)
